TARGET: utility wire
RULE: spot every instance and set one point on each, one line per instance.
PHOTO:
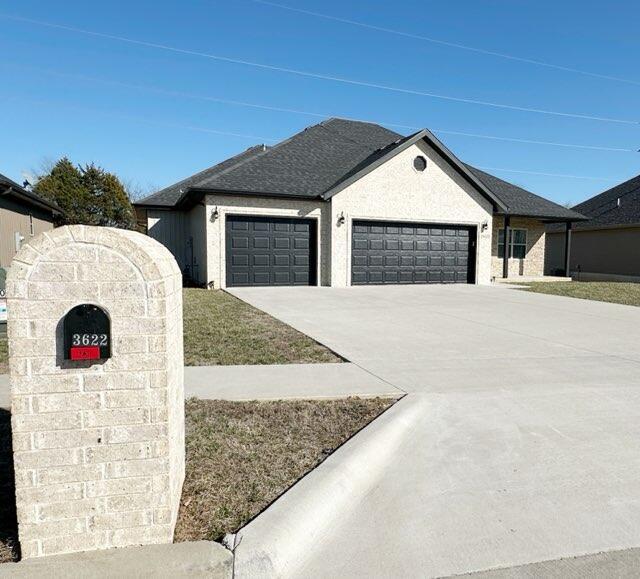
(147, 120)
(545, 174)
(447, 43)
(195, 96)
(319, 76)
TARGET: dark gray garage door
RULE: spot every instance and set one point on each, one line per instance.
(270, 251)
(387, 252)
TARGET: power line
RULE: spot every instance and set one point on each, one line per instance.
(139, 119)
(319, 76)
(234, 134)
(259, 106)
(447, 43)
(544, 174)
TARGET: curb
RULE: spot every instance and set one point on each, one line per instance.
(277, 542)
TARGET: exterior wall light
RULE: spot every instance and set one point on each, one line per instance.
(215, 214)
(484, 226)
(341, 218)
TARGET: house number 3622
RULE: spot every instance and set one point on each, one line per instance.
(89, 339)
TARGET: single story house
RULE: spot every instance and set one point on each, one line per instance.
(607, 247)
(347, 203)
(23, 214)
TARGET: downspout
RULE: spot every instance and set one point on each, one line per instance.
(567, 250)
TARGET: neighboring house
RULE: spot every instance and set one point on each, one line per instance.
(347, 203)
(607, 247)
(23, 214)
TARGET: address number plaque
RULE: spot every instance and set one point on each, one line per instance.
(87, 333)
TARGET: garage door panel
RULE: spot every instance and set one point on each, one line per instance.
(260, 260)
(266, 251)
(411, 253)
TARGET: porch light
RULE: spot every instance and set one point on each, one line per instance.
(484, 226)
(215, 214)
(341, 218)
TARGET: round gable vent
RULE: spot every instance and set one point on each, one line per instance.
(420, 163)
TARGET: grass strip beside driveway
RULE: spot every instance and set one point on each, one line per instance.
(612, 292)
(220, 329)
(242, 455)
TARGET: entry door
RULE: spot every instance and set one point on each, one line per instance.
(268, 251)
(411, 253)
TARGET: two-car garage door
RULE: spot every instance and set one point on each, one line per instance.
(412, 253)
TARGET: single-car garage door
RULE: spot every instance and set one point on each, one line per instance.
(263, 251)
(389, 252)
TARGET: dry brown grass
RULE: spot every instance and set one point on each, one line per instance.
(242, 455)
(221, 329)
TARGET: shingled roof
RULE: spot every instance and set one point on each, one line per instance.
(10, 187)
(619, 205)
(322, 159)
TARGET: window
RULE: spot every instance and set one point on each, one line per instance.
(31, 224)
(517, 243)
(420, 163)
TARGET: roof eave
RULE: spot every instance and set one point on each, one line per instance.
(31, 199)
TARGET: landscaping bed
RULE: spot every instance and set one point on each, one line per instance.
(242, 455)
(613, 292)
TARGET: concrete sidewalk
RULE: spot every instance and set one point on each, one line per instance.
(277, 382)
(284, 381)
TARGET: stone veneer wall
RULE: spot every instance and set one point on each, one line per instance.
(98, 448)
(533, 263)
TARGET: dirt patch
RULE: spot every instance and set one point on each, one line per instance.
(242, 455)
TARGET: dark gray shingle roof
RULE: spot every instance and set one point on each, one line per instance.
(170, 196)
(321, 157)
(619, 205)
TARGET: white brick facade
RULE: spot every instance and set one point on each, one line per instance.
(98, 448)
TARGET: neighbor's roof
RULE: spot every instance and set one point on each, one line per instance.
(10, 187)
(323, 159)
(619, 205)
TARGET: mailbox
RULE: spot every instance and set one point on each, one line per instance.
(87, 333)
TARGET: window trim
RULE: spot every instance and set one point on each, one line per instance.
(511, 242)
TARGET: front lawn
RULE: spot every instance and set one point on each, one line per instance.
(222, 330)
(242, 455)
(613, 292)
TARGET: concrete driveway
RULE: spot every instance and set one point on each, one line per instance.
(519, 441)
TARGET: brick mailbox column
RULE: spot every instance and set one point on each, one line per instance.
(98, 444)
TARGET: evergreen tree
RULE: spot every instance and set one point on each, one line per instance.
(87, 195)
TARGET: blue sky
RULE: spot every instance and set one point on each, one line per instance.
(150, 115)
